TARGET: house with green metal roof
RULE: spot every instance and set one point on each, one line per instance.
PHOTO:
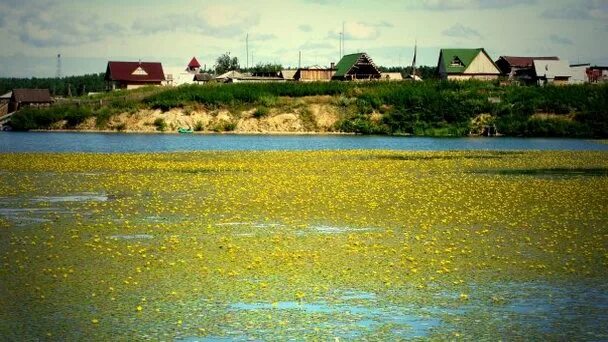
(356, 66)
(466, 64)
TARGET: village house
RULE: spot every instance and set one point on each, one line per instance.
(552, 72)
(597, 74)
(203, 77)
(132, 75)
(356, 66)
(391, 76)
(579, 73)
(466, 64)
(314, 74)
(179, 76)
(4, 100)
(21, 98)
(520, 68)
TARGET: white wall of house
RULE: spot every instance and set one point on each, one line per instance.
(579, 74)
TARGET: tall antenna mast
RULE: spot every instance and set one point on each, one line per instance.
(340, 44)
(58, 74)
(343, 39)
(414, 60)
(300, 59)
(247, 48)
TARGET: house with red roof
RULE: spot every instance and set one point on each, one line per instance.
(521, 68)
(131, 75)
(194, 66)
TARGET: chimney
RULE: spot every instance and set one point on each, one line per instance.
(332, 66)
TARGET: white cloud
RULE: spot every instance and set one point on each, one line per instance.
(559, 40)
(448, 5)
(461, 31)
(357, 31)
(580, 10)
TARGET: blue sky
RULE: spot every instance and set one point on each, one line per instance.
(89, 33)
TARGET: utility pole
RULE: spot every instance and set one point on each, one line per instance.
(247, 48)
(340, 46)
(300, 60)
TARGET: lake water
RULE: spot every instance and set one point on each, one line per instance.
(129, 142)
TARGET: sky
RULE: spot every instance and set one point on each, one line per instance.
(88, 33)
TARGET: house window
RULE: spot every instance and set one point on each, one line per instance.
(456, 62)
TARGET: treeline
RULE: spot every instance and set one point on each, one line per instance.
(425, 72)
(64, 86)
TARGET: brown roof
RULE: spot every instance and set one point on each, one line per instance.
(526, 62)
(125, 71)
(194, 63)
(203, 77)
(32, 96)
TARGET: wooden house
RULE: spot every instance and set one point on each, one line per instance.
(466, 64)
(131, 75)
(520, 68)
(314, 74)
(391, 76)
(288, 74)
(356, 66)
(202, 77)
(4, 101)
(21, 98)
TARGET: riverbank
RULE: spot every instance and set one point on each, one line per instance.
(416, 108)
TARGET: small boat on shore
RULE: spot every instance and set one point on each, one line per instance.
(184, 130)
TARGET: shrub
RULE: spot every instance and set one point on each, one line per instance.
(261, 112)
(199, 126)
(160, 124)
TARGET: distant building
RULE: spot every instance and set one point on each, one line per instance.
(552, 72)
(391, 76)
(597, 74)
(356, 66)
(466, 64)
(4, 101)
(203, 77)
(179, 76)
(288, 74)
(131, 75)
(520, 68)
(194, 66)
(314, 74)
(229, 77)
(21, 98)
(579, 73)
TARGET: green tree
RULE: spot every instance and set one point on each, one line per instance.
(225, 63)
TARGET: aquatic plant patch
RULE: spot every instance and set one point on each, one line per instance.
(376, 245)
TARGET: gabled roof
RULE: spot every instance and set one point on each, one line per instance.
(203, 77)
(465, 56)
(288, 74)
(526, 62)
(348, 62)
(230, 74)
(135, 71)
(552, 69)
(7, 95)
(32, 95)
(194, 63)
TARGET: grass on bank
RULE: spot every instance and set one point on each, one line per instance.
(417, 108)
